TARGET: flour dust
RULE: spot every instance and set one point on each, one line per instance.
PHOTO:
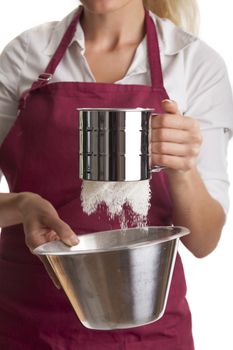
(115, 195)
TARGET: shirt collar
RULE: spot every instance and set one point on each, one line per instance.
(172, 39)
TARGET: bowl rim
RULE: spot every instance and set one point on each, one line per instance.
(63, 249)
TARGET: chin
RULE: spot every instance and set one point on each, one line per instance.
(104, 6)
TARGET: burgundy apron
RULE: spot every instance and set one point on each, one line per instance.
(40, 154)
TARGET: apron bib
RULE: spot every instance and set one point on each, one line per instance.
(40, 154)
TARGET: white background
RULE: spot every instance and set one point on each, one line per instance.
(210, 287)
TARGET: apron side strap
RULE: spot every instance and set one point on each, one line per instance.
(41, 81)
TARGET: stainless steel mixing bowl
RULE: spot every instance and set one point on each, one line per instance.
(117, 279)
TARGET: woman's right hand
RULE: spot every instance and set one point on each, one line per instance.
(42, 224)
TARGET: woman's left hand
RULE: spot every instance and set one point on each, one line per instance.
(175, 140)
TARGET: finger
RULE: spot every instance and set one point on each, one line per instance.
(50, 271)
(35, 235)
(65, 233)
(52, 236)
(170, 106)
(49, 228)
(175, 149)
(168, 135)
(173, 122)
(172, 162)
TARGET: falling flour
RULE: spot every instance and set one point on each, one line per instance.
(115, 195)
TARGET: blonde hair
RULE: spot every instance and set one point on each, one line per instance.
(183, 13)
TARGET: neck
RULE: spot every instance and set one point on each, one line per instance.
(123, 26)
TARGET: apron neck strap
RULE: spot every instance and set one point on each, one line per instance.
(61, 49)
(153, 53)
(45, 77)
(152, 48)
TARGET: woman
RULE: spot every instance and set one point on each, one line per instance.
(44, 204)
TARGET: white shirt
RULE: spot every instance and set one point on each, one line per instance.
(194, 75)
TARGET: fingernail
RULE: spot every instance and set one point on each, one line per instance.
(167, 100)
(72, 240)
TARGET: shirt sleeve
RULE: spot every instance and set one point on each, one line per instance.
(212, 164)
(209, 100)
(11, 63)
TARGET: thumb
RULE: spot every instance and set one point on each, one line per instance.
(65, 233)
(170, 106)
